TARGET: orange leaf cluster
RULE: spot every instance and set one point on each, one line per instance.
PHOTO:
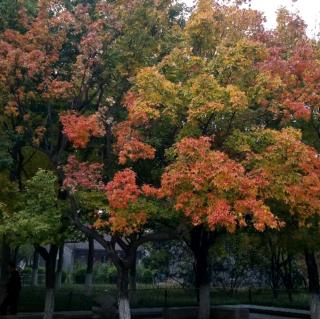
(299, 74)
(128, 144)
(79, 128)
(123, 193)
(127, 224)
(211, 188)
(82, 174)
(123, 190)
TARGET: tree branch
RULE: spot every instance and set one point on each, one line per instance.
(107, 245)
(42, 251)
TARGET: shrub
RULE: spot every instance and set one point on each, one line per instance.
(105, 273)
(145, 275)
(79, 275)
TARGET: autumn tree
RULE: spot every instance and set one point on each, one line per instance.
(189, 95)
(292, 171)
(68, 58)
(218, 83)
(216, 194)
(293, 61)
(118, 214)
(65, 68)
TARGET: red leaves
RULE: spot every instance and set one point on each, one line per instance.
(59, 90)
(261, 215)
(151, 191)
(219, 214)
(213, 189)
(79, 128)
(85, 175)
(123, 190)
(123, 194)
(300, 75)
(193, 148)
(299, 110)
(128, 144)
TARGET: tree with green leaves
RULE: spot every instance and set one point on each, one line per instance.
(41, 221)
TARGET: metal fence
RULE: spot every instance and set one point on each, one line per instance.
(26, 279)
(74, 297)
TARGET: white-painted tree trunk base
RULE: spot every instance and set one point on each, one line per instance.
(204, 302)
(49, 304)
(88, 283)
(314, 306)
(124, 308)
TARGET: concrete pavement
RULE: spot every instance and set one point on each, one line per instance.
(260, 316)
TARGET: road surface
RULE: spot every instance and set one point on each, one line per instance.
(259, 316)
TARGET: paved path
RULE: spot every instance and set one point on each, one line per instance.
(258, 316)
(257, 312)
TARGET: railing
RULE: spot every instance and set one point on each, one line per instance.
(74, 297)
(26, 279)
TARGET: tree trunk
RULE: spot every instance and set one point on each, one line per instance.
(35, 266)
(123, 284)
(133, 279)
(50, 259)
(49, 304)
(204, 301)
(200, 244)
(287, 275)
(5, 259)
(133, 274)
(60, 267)
(275, 269)
(314, 287)
(90, 263)
(15, 255)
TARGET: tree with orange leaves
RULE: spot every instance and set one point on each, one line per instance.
(293, 63)
(215, 85)
(184, 105)
(198, 91)
(213, 189)
(292, 173)
(123, 217)
(72, 60)
(217, 194)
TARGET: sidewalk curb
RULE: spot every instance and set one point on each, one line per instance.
(157, 312)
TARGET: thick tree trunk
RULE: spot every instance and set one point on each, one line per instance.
(204, 301)
(123, 286)
(60, 267)
(314, 287)
(49, 304)
(133, 279)
(90, 263)
(50, 259)
(122, 263)
(133, 274)
(201, 240)
(35, 267)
